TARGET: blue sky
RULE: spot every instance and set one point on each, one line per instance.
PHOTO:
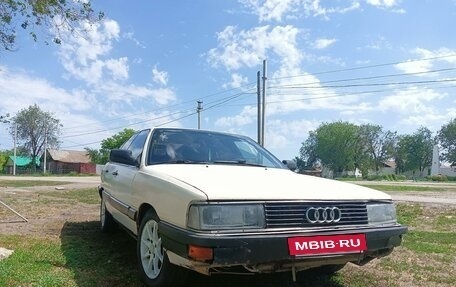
(385, 62)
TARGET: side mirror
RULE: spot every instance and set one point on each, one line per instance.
(122, 156)
(291, 164)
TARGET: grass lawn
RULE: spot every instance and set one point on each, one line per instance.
(29, 183)
(80, 255)
(403, 188)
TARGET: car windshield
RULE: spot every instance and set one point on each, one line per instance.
(180, 146)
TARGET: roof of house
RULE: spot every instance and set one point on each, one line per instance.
(69, 156)
(390, 163)
(22, 160)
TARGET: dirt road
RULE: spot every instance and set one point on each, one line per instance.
(445, 197)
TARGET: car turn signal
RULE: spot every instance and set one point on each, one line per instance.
(198, 253)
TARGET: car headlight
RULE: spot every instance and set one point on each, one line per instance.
(381, 213)
(226, 216)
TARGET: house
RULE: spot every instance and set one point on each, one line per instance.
(66, 161)
(23, 164)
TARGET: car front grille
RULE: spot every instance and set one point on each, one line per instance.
(293, 214)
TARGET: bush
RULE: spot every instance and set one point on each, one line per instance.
(374, 177)
(438, 177)
(401, 177)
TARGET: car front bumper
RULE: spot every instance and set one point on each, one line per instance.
(269, 250)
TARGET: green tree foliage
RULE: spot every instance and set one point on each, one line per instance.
(101, 156)
(27, 15)
(307, 155)
(332, 144)
(375, 146)
(34, 128)
(3, 160)
(414, 152)
(447, 139)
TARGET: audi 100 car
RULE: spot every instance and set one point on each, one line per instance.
(220, 203)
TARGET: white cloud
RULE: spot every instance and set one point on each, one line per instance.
(324, 43)
(247, 48)
(159, 77)
(383, 3)
(83, 57)
(410, 102)
(427, 60)
(237, 81)
(163, 96)
(19, 90)
(118, 68)
(89, 59)
(414, 66)
(270, 9)
(276, 10)
(284, 138)
(247, 116)
(135, 93)
(130, 36)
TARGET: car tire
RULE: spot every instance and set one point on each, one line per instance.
(154, 267)
(107, 223)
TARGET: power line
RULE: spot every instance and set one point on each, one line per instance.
(158, 125)
(368, 66)
(361, 85)
(123, 126)
(224, 100)
(326, 95)
(169, 106)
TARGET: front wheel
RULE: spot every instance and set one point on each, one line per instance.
(154, 267)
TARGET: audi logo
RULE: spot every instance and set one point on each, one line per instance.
(323, 214)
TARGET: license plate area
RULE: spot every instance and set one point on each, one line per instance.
(327, 244)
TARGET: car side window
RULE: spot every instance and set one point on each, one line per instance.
(137, 143)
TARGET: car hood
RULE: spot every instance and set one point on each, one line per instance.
(226, 182)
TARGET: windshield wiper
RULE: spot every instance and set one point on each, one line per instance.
(238, 162)
(187, 161)
(181, 161)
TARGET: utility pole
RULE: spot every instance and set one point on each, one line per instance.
(198, 110)
(15, 143)
(45, 147)
(259, 108)
(263, 112)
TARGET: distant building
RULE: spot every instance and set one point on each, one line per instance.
(23, 164)
(438, 168)
(66, 161)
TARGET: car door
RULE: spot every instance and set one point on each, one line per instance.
(121, 177)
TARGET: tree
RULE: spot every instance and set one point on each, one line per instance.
(447, 140)
(102, 156)
(414, 152)
(333, 144)
(3, 160)
(34, 128)
(52, 14)
(375, 146)
(307, 155)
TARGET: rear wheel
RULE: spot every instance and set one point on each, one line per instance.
(154, 266)
(107, 222)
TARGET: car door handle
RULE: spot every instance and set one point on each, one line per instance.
(115, 173)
